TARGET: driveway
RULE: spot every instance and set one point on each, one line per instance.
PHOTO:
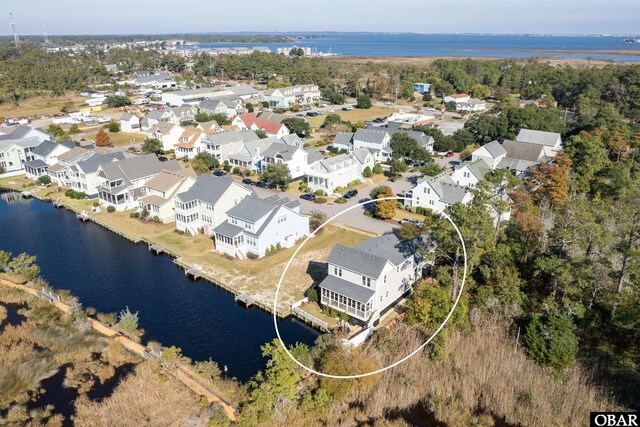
(354, 218)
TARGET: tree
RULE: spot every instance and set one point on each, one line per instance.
(73, 129)
(552, 179)
(199, 166)
(296, 125)
(219, 118)
(316, 219)
(56, 130)
(249, 107)
(128, 321)
(334, 97)
(367, 173)
(384, 209)
(116, 101)
(208, 159)
(363, 101)
(332, 119)
(151, 145)
(262, 134)
(405, 147)
(114, 127)
(377, 169)
(408, 231)
(277, 173)
(551, 341)
(397, 166)
(44, 180)
(24, 265)
(102, 139)
(431, 169)
(5, 259)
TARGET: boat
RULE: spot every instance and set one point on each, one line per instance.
(632, 40)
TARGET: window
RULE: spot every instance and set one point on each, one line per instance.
(431, 202)
(337, 271)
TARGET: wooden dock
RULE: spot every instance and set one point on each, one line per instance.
(83, 216)
(194, 272)
(27, 194)
(156, 249)
(57, 203)
(245, 300)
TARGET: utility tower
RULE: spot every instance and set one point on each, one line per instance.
(16, 39)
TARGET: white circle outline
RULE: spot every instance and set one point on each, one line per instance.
(404, 359)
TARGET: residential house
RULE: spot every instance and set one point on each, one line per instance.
(154, 117)
(185, 113)
(250, 121)
(14, 153)
(129, 123)
(492, 153)
(256, 225)
(473, 105)
(551, 141)
(470, 173)
(457, 97)
(162, 189)
(378, 140)
(422, 88)
(223, 144)
(190, 143)
(209, 127)
(83, 175)
(273, 117)
(288, 96)
(250, 154)
(123, 182)
(168, 133)
(205, 204)
(437, 192)
(194, 96)
(45, 155)
(59, 172)
(292, 139)
(339, 171)
(294, 157)
(22, 132)
(343, 141)
(369, 279)
(243, 91)
(228, 107)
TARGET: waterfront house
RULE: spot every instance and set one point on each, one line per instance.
(59, 172)
(288, 96)
(470, 173)
(161, 190)
(15, 152)
(339, 171)
(204, 206)
(45, 155)
(122, 182)
(83, 177)
(129, 123)
(255, 226)
(437, 192)
(369, 279)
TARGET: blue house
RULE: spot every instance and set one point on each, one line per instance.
(422, 87)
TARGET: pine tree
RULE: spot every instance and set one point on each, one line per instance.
(102, 139)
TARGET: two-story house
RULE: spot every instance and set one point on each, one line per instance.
(438, 192)
(168, 133)
(123, 181)
(256, 225)
(378, 141)
(339, 171)
(295, 158)
(83, 176)
(470, 173)
(161, 190)
(223, 144)
(45, 155)
(204, 206)
(129, 123)
(60, 171)
(369, 279)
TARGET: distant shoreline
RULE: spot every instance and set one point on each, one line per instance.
(424, 61)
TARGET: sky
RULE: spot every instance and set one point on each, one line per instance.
(425, 16)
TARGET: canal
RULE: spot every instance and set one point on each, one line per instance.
(110, 273)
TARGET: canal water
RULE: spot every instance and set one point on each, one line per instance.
(110, 273)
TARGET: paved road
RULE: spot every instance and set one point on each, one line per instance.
(354, 218)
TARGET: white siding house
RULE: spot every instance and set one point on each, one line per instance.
(438, 192)
(339, 171)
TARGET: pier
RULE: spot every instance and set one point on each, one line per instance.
(245, 300)
(194, 272)
(156, 249)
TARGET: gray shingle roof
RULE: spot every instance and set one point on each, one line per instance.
(137, 167)
(390, 247)
(233, 136)
(126, 116)
(30, 142)
(523, 150)
(371, 135)
(251, 209)
(343, 138)
(361, 154)
(228, 229)
(356, 260)
(16, 133)
(91, 164)
(290, 139)
(348, 289)
(45, 148)
(36, 164)
(207, 188)
(242, 90)
(313, 156)
(495, 148)
(284, 151)
(538, 137)
(443, 185)
(479, 168)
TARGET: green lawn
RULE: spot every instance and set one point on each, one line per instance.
(355, 115)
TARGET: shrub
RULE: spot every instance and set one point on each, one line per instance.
(320, 200)
(303, 186)
(96, 204)
(341, 200)
(156, 219)
(354, 183)
(312, 294)
(367, 213)
(320, 192)
(114, 127)
(179, 231)
(134, 215)
(111, 209)
(252, 255)
(226, 167)
(237, 170)
(367, 173)
(44, 180)
(377, 169)
(278, 246)
(339, 189)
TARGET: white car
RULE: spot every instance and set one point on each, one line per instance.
(104, 119)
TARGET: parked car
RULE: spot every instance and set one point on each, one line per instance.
(350, 194)
(308, 196)
(449, 154)
(300, 115)
(248, 181)
(312, 113)
(412, 221)
(306, 108)
(219, 173)
(162, 158)
(347, 108)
